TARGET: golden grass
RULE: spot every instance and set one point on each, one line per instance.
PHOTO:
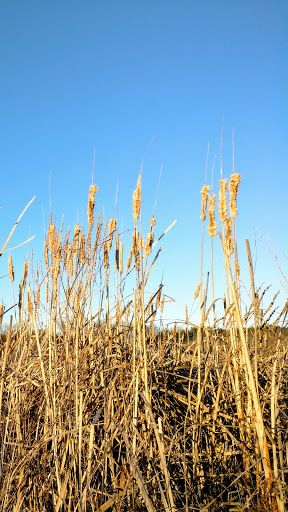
(101, 410)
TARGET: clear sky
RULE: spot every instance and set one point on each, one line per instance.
(114, 75)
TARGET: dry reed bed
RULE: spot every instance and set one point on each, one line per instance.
(102, 411)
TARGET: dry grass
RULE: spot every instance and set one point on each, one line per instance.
(99, 410)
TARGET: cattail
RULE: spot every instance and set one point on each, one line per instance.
(51, 236)
(77, 230)
(46, 259)
(106, 255)
(25, 272)
(149, 305)
(129, 260)
(149, 243)
(70, 259)
(117, 253)
(112, 229)
(82, 249)
(91, 203)
(137, 200)
(20, 295)
(212, 227)
(197, 291)
(162, 305)
(29, 300)
(47, 291)
(11, 269)
(152, 222)
(142, 242)
(223, 200)
(237, 268)
(205, 194)
(234, 188)
(121, 257)
(135, 246)
(1, 312)
(158, 297)
(228, 236)
(98, 232)
(37, 298)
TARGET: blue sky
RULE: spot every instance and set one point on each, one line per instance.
(113, 76)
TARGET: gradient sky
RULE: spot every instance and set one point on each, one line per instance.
(114, 76)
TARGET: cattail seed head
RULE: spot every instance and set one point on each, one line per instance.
(136, 245)
(82, 249)
(149, 243)
(162, 305)
(77, 230)
(129, 260)
(137, 200)
(237, 268)
(234, 188)
(158, 298)
(29, 301)
(212, 227)
(112, 229)
(47, 291)
(37, 298)
(153, 221)
(20, 295)
(105, 255)
(204, 191)
(51, 236)
(91, 203)
(46, 259)
(25, 273)
(197, 291)
(228, 236)
(117, 253)
(70, 259)
(11, 269)
(1, 312)
(223, 200)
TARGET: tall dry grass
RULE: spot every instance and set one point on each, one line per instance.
(101, 410)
